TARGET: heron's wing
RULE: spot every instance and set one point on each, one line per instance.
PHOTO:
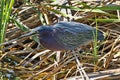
(72, 25)
(71, 35)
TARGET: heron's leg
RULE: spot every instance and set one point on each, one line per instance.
(80, 68)
(58, 56)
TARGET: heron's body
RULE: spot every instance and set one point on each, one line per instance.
(66, 35)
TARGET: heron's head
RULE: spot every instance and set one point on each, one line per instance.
(45, 31)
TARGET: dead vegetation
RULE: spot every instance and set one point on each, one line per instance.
(24, 58)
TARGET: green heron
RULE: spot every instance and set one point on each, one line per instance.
(63, 35)
(68, 36)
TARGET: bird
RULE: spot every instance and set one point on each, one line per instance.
(67, 35)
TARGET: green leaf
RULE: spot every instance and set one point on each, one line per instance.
(5, 11)
(96, 10)
(21, 25)
(36, 39)
(109, 7)
(106, 20)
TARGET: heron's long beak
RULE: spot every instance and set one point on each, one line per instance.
(32, 31)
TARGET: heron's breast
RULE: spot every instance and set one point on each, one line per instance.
(51, 43)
